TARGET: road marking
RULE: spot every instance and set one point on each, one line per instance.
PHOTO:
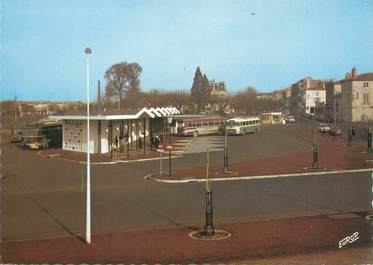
(196, 179)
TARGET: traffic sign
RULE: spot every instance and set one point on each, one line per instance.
(169, 147)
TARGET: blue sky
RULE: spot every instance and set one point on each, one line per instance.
(42, 43)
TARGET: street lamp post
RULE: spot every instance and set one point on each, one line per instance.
(88, 51)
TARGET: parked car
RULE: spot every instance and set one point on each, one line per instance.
(324, 128)
(334, 130)
(323, 118)
(290, 119)
(16, 138)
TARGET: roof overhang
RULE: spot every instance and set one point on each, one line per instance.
(143, 113)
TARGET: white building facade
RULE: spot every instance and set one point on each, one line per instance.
(312, 97)
(105, 128)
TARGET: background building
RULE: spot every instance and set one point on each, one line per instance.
(299, 97)
(332, 89)
(357, 97)
(217, 89)
(311, 98)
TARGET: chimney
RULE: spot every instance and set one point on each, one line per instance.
(353, 73)
(98, 98)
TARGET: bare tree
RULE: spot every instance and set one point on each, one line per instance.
(123, 79)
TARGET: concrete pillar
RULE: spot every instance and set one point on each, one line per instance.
(144, 145)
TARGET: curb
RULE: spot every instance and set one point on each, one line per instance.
(194, 179)
(108, 162)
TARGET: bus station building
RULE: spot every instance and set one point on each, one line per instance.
(107, 131)
(272, 118)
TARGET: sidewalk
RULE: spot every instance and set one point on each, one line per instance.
(334, 154)
(250, 241)
(95, 158)
(134, 154)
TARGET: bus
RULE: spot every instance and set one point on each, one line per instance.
(243, 125)
(201, 126)
(42, 135)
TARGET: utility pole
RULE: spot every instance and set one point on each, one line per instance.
(225, 147)
(15, 108)
(98, 97)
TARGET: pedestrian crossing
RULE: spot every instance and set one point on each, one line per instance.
(201, 144)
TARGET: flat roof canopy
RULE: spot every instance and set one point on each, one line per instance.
(143, 113)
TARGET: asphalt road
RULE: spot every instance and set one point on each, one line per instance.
(44, 198)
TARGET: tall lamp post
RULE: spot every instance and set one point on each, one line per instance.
(88, 51)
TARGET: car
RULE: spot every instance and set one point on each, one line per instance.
(335, 130)
(290, 119)
(324, 127)
(16, 138)
(323, 118)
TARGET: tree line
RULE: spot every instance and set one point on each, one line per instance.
(123, 91)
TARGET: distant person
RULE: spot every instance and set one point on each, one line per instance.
(353, 133)
(121, 143)
(152, 140)
(116, 141)
(156, 141)
(140, 142)
(126, 138)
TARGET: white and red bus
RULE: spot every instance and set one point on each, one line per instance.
(201, 126)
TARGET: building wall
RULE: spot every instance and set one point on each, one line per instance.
(313, 96)
(332, 89)
(74, 136)
(346, 101)
(93, 136)
(217, 88)
(362, 101)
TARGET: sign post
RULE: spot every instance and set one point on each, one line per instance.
(169, 149)
(160, 150)
(209, 229)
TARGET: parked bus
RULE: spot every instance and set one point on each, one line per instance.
(201, 126)
(42, 135)
(243, 125)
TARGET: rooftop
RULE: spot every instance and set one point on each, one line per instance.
(121, 115)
